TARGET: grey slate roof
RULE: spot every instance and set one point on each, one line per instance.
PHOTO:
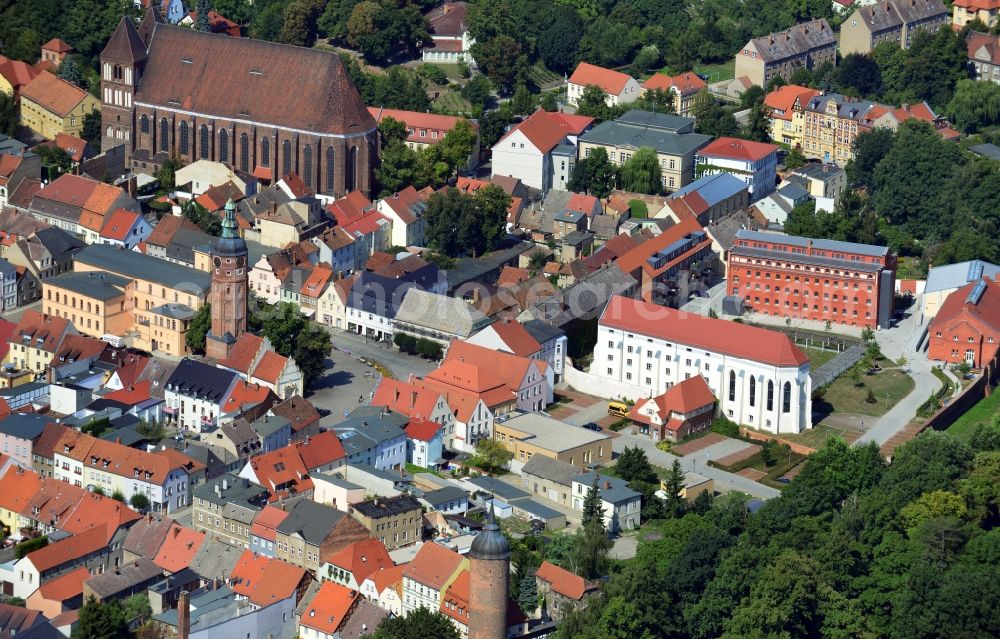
(713, 188)
(611, 489)
(446, 494)
(146, 535)
(585, 298)
(24, 425)
(239, 493)
(215, 559)
(990, 151)
(448, 315)
(637, 129)
(942, 278)
(501, 489)
(795, 40)
(93, 284)
(194, 377)
(131, 575)
(370, 423)
(364, 620)
(312, 521)
(60, 244)
(554, 470)
(270, 424)
(542, 332)
(819, 171)
(826, 245)
(381, 295)
(724, 230)
(109, 258)
(176, 311)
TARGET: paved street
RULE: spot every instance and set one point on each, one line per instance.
(698, 462)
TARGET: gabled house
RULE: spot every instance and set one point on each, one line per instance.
(313, 533)
(966, 329)
(562, 590)
(352, 565)
(254, 359)
(301, 415)
(385, 588)
(683, 409)
(806, 45)
(424, 443)
(13, 169)
(450, 40)
(226, 508)
(619, 88)
(427, 129)
(529, 380)
(265, 582)
(46, 253)
(535, 150)
(282, 472)
(36, 340)
(374, 436)
(89, 548)
(328, 612)
(890, 21)
(80, 205)
(682, 88)
(755, 163)
(428, 576)
(658, 263)
(534, 339)
(376, 296)
(51, 105)
(405, 209)
(125, 228)
(195, 394)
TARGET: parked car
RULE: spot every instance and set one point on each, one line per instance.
(592, 426)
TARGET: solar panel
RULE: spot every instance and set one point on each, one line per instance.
(977, 293)
(975, 271)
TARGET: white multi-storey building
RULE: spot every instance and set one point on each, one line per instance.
(755, 163)
(759, 376)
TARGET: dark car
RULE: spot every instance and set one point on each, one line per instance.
(592, 426)
(537, 525)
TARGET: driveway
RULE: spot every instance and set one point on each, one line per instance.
(698, 462)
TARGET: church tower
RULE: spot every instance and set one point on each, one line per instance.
(488, 583)
(122, 63)
(229, 288)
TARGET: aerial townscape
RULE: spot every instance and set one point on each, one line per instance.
(500, 319)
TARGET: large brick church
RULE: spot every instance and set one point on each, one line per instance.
(263, 108)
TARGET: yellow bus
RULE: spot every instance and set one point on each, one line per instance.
(618, 409)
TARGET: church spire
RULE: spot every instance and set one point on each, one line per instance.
(229, 226)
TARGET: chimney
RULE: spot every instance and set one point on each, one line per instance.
(183, 616)
(413, 398)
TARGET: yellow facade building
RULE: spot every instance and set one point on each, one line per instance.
(35, 341)
(97, 303)
(532, 434)
(51, 105)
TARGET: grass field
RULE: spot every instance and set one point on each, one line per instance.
(451, 103)
(818, 356)
(842, 396)
(543, 78)
(819, 434)
(981, 413)
(717, 72)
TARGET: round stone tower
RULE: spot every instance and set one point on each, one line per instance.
(488, 583)
(229, 292)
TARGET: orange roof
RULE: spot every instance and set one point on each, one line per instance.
(609, 81)
(422, 430)
(638, 257)
(546, 129)
(315, 284)
(329, 608)
(958, 304)
(77, 347)
(738, 149)
(563, 581)
(17, 73)
(363, 558)
(321, 449)
(978, 5)
(270, 367)
(65, 586)
(243, 354)
(265, 524)
(128, 373)
(118, 224)
(69, 549)
(388, 578)
(685, 83)
(350, 207)
(511, 275)
(92, 508)
(403, 203)
(282, 470)
(179, 548)
(406, 398)
(83, 192)
(72, 145)
(516, 337)
(165, 230)
(783, 99)
(265, 581)
(188, 464)
(121, 460)
(17, 488)
(469, 378)
(132, 395)
(463, 402)
(455, 603)
(57, 45)
(53, 94)
(36, 326)
(245, 394)
(416, 122)
(721, 336)
(511, 369)
(683, 397)
(433, 566)
(4, 410)
(587, 204)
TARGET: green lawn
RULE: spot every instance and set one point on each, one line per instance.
(717, 72)
(543, 78)
(981, 413)
(451, 103)
(818, 356)
(819, 434)
(842, 396)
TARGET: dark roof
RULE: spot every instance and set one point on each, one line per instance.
(146, 535)
(58, 242)
(795, 40)
(115, 260)
(386, 506)
(499, 488)
(659, 133)
(448, 493)
(93, 284)
(372, 424)
(183, 72)
(990, 151)
(373, 293)
(311, 520)
(125, 44)
(24, 425)
(124, 578)
(610, 489)
(554, 470)
(194, 377)
(541, 331)
(238, 490)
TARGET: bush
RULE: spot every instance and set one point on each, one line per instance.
(870, 398)
(433, 73)
(429, 349)
(726, 427)
(406, 343)
(30, 546)
(638, 209)
(139, 502)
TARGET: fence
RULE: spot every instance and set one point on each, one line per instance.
(837, 366)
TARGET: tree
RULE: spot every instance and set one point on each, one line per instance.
(758, 125)
(975, 105)
(634, 466)
(139, 501)
(795, 159)
(590, 553)
(298, 25)
(406, 342)
(118, 496)
(10, 115)
(493, 455)
(859, 75)
(869, 149)
(137, 606)
(392, 130)
(523, 103)
(711, 118)
(478, 91)
(91, 132)
(594, 174)
(931, 505)
(55, 161)
(69, 72)
(673, 485)
(559, 42)
(491, 206)
(593, 511)
(429, 349)
(203, 7)
(419, 624)
(548, 102)
(198, 330)
(460, 224)
(383, 29)
(311, 351)
(527, 594)
(641, 172)
(291, 335)
(397, 168)
(593, 103)
(210, 223)
(456, 147)
(101, 621)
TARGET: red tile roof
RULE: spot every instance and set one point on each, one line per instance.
(405, 201)
(49, 328)
(282, 471)
(17, 488)
(72, 145)
(263, 580)
(546, 129)
(320, 450)
(363, 558)
(17, 73)
(685, 83)
(511, 275)
(433, 566)
(78, 347)
(265, 524)
(721, 336)
(406, 398)
(329, 608)
(91, 509)
(388, 578)
(782, 100)
(118, 224)
(977, 5)
(179, 548)
(298, 411)
(56, 45)
(121, 460)
(189, 464)
(683, 397)
(270, 367)
(350, 207)
(316, 283)
(75, 190)
(738, 149)
(638, 257)
(416, 122)
(516, 337)
(69, 549)
(165, 230)
(53, 94)
(6, 331)
(468, 379)
(366, 224)
(244, 395)
(422, 430)
(563, 581)
(243, 353)
(511, 369)
(132, 395)
(65, 586)
(957, 305)
(609, 81)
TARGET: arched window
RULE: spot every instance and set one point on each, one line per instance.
(144, 124)
(732, 386)
(286, 158)
(203, 142)
(223, 145)
(164, 135)
(111, 132)
(244, 152)
(307, 166)
(183, 133)
(265, 152)
(770, 395)
(753, 391)
(786, 398)
(350, 178)
(331, 162)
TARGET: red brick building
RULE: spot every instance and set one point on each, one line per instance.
(815, 279)
(683, 409)
(967, 327)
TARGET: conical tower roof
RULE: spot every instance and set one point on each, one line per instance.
(148, 24)
(125, 45)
